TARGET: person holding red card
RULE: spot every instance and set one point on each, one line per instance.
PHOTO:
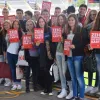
(32, 57)
(47, 55)
(12, 56)
(75, 58)
(60, 57)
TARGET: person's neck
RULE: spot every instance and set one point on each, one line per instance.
(72, 28)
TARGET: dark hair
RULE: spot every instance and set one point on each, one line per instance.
(45, 10)
(83, 5)
(19, 10)
(71, 9)
(45, 27)
(57, 8)
(96, 26)
(19, 29)
(29, 13)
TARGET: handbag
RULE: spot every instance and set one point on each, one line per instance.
(21, 59)
(5, 71)
(89, 63)
(19, 73)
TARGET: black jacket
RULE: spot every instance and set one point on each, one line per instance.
(3, 45)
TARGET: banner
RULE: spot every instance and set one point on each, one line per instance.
(53, 20)
(1, 20)
(13, 35)
(67, 44)
(46, 5)
(94, 1)
(56, 34)
(27, 41)
(39, 35)
(95, 39)
(11, 18)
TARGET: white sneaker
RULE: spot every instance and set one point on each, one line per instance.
(14, 87)
(62, 94)
(7, 84)
(51, 94)
(19, 87)
(70, 95)
(94, 90)
(43, 93)
(88, 89)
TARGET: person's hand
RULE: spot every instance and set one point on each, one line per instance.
(89, 47)
(72, 46)
(37, 43)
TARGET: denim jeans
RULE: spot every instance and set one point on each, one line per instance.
(60, 58)
(76, 72)
(98, 67)
(12, 60)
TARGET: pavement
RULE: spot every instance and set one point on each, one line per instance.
(27, 96)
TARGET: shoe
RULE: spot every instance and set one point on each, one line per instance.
(44, 92)
(88, 89)
(70, 95)
(14, 87)
(94, 90)
(62, 94)
(2, 80)
(51, 94)
(7, 84)
(19, 87)
(27, 90)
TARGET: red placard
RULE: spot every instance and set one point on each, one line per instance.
(67, 44)
(46, 5)
(56, 34)
(11, 18)
(27, 41)
(39, 35)
(53, 20)
(13, 35)
(91, 1)
(1, 20)
(95, 39)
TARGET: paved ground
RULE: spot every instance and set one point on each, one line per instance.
(30, 96)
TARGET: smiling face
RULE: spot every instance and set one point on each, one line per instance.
(82, 11)
(19, 14)
(5, 12)
(29, 25)
(61, 20)
(93, 15)
(41, 23)
(71, 22)
(16, 25)
(6, 26)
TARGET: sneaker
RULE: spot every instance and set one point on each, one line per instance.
(70, 95)
(1, 79)
(43, 93)
(7, 84)
(94, 90)
(88, 89)
(51, 94)
(62, 94)
(19, 87)
(14, 87)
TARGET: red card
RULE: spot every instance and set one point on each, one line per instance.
(56, 34)
(46, 5)
(13, 35)
(39, 35)
(53, 20)
(27, 41)
(67, 44)
(1, 20)
(95, 39)
(12, 18)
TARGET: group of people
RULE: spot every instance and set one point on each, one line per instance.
(75, 27)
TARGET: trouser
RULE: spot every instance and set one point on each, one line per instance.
(34, 65)
(12, 60)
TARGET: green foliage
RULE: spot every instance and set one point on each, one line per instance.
(79, 2)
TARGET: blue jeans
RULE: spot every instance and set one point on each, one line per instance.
(76, 72)
(12, 60)
(60, 58)
(98, 67)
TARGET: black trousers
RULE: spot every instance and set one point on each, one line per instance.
(45, 79)
(34, 65)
